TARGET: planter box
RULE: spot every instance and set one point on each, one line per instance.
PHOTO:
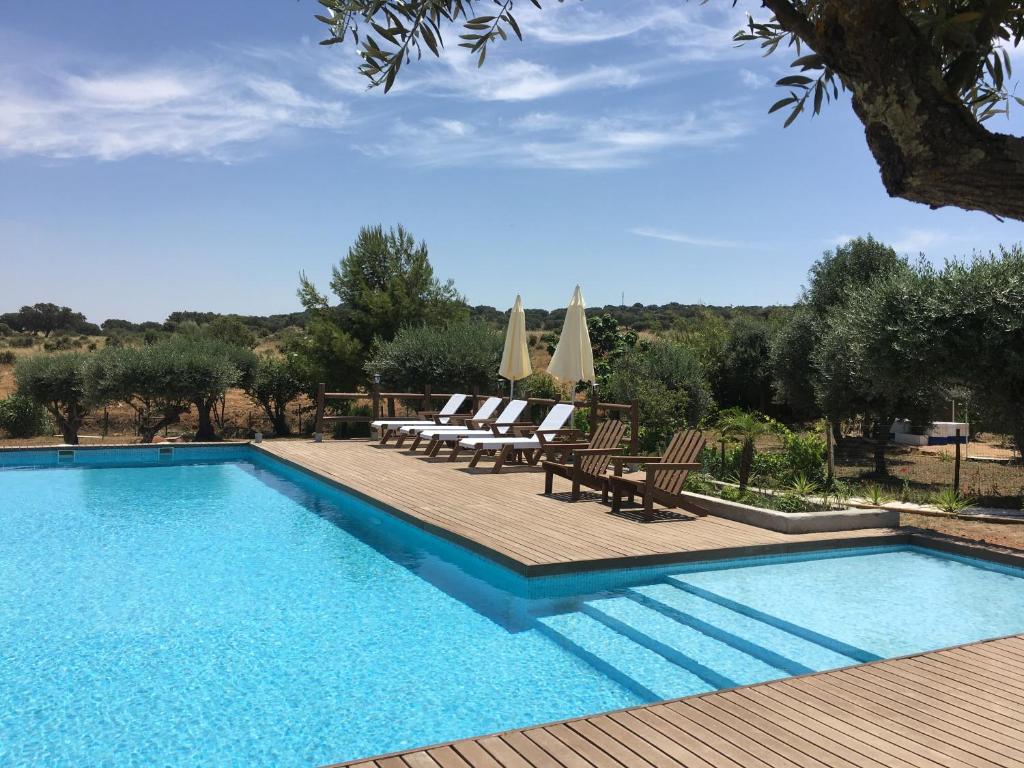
(797, 522)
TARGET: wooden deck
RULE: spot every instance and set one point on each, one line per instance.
(507, 517)
(958, 707)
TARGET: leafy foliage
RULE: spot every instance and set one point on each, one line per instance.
(56, 382)
(21, 416)
(274, 384)
(450, 358)
(668, 382)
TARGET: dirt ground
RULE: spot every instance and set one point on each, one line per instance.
(1006, 535)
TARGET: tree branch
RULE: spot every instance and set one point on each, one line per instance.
(929, 147)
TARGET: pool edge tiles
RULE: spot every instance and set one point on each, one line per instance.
(122, 455)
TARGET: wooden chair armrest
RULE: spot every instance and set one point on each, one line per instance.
(479, 423)
(562, 447)
(635, 459)
(584, 451)
(669, 465)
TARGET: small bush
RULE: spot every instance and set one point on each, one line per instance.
(24, 341)
(7, 357)
(20, 416)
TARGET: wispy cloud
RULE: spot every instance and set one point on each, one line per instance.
(200, 110)
(560, 141)
(457, 75)
(691, 31)
(689, 239)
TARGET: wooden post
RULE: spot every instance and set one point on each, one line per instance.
(476, 397)
(593, 409)
(426, 398)
(830, 452)
(375, 400)
(634, 427)
(318, 423)
(956, 465)
(391, 407)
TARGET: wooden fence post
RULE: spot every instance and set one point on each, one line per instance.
(593, 409)
(318, 424)
(426, 398)
(956, 465)
(634, 427)
(375, 400)
(475, 392)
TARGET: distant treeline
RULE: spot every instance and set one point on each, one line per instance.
(639, 317)
(49, 318)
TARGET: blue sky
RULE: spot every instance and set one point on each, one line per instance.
(198, 155)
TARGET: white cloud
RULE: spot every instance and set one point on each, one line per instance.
(546, 140)
(695, 31)
(456, 74)
(688, 239)
(753, 79)
(188, 110)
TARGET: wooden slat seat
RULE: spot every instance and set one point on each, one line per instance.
(585, 463)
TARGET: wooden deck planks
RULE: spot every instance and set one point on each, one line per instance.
(892, 713)
(507, 517)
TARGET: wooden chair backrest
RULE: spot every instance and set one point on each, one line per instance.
(684, 448)
(607, 435)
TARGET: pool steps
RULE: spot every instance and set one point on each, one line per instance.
(672, 639)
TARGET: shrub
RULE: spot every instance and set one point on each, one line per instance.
(7, 357)
(456, 357)
(669, 384)
(56, 382)
(23, 341)
(21, 416)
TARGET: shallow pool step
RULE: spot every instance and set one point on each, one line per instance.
(840, 647)
(718, 663)
(648, 674)
(776, 647)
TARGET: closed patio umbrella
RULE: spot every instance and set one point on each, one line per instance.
(573, 360)
(515, 360)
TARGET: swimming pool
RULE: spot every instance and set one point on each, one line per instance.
(241, 612)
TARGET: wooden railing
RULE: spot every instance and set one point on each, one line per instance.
(382, 405)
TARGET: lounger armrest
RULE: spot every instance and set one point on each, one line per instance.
(479, 423)
(457, 419)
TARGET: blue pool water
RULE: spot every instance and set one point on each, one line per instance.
(241, 613)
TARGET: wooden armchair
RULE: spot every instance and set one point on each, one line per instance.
(663, 477)
(585, 463)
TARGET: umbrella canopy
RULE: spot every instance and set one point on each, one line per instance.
(574, 358)
(515, 360)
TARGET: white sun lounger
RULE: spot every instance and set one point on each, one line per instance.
(553, 424)
(507, 419)
(389, 427)
(485, 411)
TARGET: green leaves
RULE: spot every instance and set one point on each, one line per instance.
(403, 28)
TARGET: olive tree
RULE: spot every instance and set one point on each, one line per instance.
(274, 384)
(57, 382)
(978, 314)
(924, 76)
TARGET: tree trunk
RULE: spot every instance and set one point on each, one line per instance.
(68, 426)
(149, 431)
(881, 437)
(205, 431)
(280, 421)
(928, 146)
